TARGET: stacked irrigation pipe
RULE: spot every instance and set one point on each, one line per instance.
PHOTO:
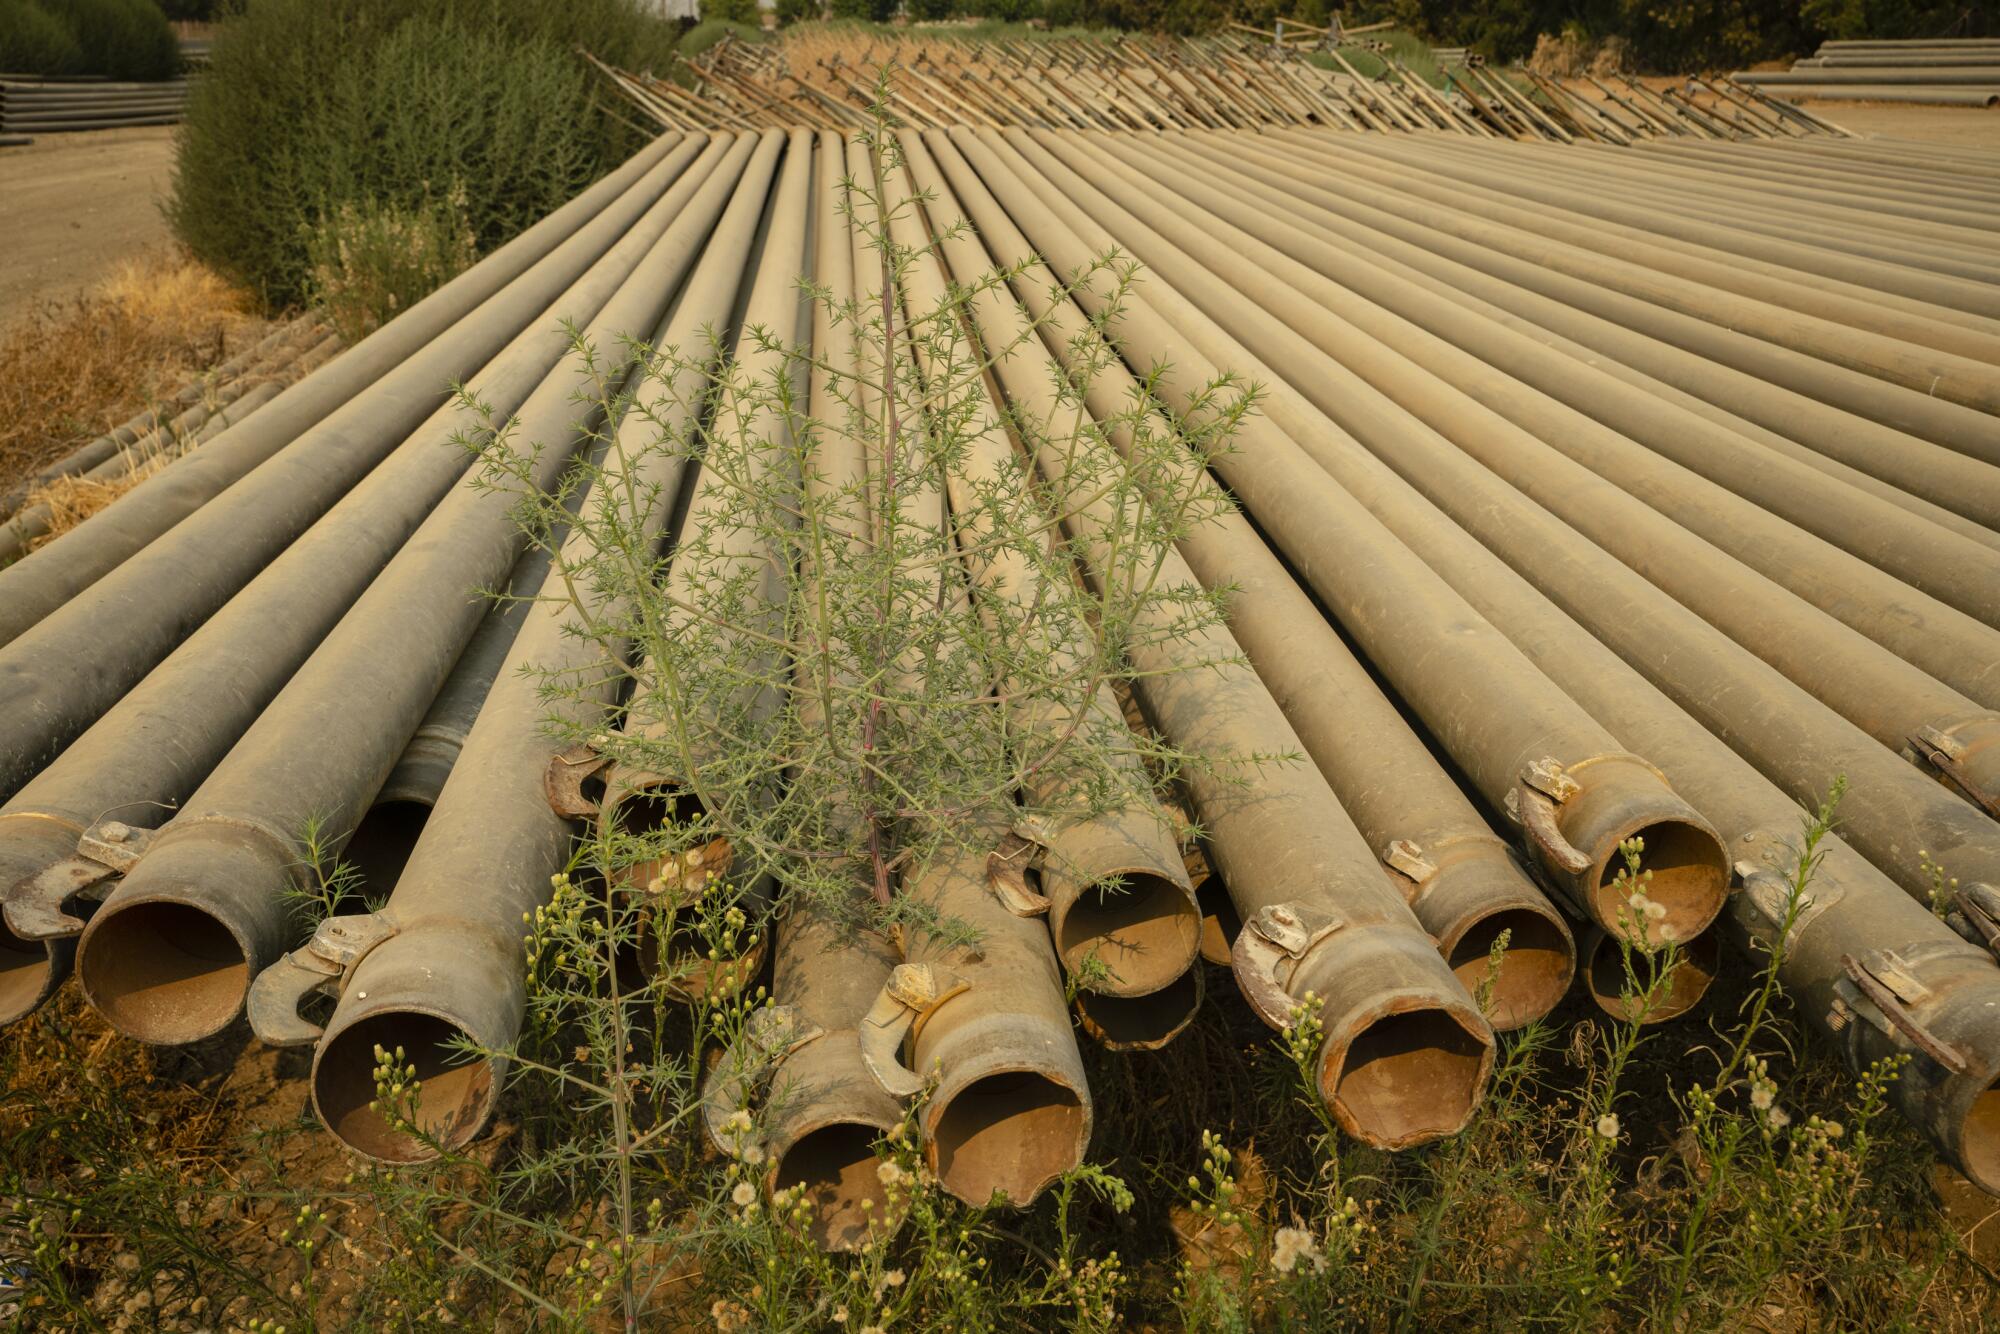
(832, 79)
(1947, 71)
(1596, 492)
(31, 106)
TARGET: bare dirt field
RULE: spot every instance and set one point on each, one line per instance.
(72, 205)
(1975, 127)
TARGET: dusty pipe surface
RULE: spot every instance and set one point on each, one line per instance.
(144, 758)
(1500, 718)
(448, 963)
(1606, 419)
(1855, 913)
(823, 1113)
(1791, 736)
(219, 875)
(381, 844)
(59, 676)
(1959, 492)
(1967, 429)
(1462, 882)
(33, 588)
(1945, 477)
(1116, 886)
(1602, 972)
(1322, 913)
(1863, 681)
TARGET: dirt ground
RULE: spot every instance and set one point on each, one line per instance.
(1974, 127)
(71, 205)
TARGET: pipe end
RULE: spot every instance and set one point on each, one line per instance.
(1142, 928)
(1411, 1073)
(163, 971)
(453, 1097)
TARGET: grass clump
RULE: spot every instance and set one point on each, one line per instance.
(72, 371)
(372, 260)
(389, 108)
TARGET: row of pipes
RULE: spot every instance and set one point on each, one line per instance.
(31, 106)
(1592, 494)
(1947, 71)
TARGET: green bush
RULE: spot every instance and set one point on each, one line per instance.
(797, 11)
(930, 11)
(874, 11)
(384, 105)
(33, 41)
(122, 39)
(732, 11)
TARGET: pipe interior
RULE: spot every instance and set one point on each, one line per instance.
(382, 843)
(1689, 982)
(1010, 1134)
(1141, 1022)
(1534, 972)
(1690, 878)
(454, 1095)
(1139, 926)
(1979, 1142)
(837, 1165)
(163, 972)
(1405, 1076)
(24, 971)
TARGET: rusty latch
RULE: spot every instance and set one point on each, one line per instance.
(1007, 875)
(769, 1036)
(317, 966)
(1273, 938)
(1946, 754)
(1889, 989)
(1975, 915)
(913, 993)
(39, 908)
(562, 782)
(1408, 858)
(1536, 810)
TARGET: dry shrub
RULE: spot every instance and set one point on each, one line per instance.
(73, 370)
(1571, 53)
(71, 500)
(370, 262)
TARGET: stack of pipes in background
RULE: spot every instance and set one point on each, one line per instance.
(31, 105)
(94, 473)
(829, 79)
(1594, 493)
(1951, 71)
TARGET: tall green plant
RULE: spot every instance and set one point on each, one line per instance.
(383, 107)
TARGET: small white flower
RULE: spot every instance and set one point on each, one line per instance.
(1778, 1117)
(891, 1173)
(1292, 1245)
(1639, 902)
(1607, 1125)
(840, 1315)
(752, 1154)
(1834, 1130)
(743, 1195)
(894, 1278)
(1762, 1096)
(1656, 910)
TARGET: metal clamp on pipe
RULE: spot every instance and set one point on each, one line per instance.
(1578, 816)
(318, 967)
(1966, 758)
(45, 906)
(913, 993)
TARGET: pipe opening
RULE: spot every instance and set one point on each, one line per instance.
(1140, 926)
(1979, 1142)
(1406, 1077)
(453, 1095)
(1010, 1133)
(163, 972)
(24, 975)
(1690, 879)
(1141, 1023)
(1604, 975)
(836, 1165)
(1534, 972)
(383, 841)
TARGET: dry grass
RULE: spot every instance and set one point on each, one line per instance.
(71, 500)
(73, 370)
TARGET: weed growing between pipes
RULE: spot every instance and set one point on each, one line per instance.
(1717, 1175)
